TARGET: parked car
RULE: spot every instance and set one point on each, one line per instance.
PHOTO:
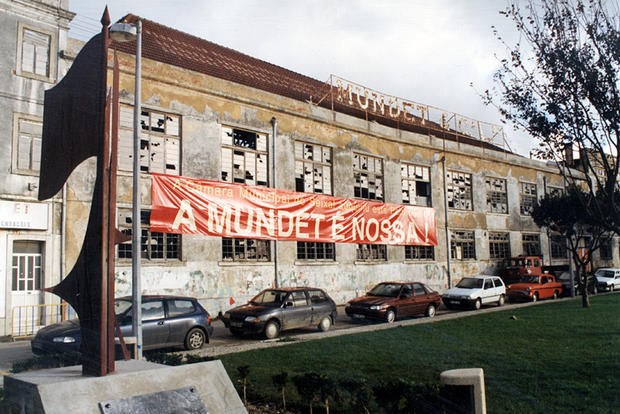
(475, 291)
(389, 300)
(533, 288)
(276, 310)
(167, 321)
(564, 279)
(607, 278)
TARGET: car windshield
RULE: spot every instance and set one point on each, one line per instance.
(514, 263)
(470, 283)
(529, 279)
(269, 297)
(385, 289)
(605, 273)
(121, 305)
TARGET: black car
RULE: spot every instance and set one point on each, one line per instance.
(167, 321)
(275, 310)
(564, 278)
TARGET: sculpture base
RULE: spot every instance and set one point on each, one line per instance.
(65, 390)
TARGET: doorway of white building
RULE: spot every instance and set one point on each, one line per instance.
(27, 314)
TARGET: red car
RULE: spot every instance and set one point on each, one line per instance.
(532, 288)
(389, 300)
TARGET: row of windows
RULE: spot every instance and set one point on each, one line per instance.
(156, 246)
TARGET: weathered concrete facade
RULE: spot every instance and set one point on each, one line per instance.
(201, 106)
(207, 104)
(32, 33)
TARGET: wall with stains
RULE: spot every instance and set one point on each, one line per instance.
(205, 104)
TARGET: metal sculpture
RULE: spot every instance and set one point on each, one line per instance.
(76, 127)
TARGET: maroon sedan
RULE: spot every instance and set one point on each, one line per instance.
(389, 300)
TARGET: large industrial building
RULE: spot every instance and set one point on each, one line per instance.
(212, 113)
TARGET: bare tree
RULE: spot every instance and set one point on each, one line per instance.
(560, 83)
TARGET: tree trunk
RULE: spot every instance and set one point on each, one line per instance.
(583, 278)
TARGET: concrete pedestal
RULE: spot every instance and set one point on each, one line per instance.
(65, 390)
(471, 381)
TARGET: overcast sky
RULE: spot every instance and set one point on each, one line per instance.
(424, 51)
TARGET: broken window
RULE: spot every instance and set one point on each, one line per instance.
(558, 246)
(531, 244)
(368, 176)
(415, 184)
(371, 252)
(555, 191)
(244, 157)
(245, 250)
(499, 245)
(35, 52)
(419, 253)
(160, 144)
(315, 251)
(153, 245)
(313, 168)
(462, 245)
(528, 198)
(497, 196)
(28, 146)
(458, 186)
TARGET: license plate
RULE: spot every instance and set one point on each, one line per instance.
(359, 316)
(236, 324)
(454, 302)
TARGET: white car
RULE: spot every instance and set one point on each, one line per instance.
(475, 291)
(608, 278)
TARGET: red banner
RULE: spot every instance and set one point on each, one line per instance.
(194, 206)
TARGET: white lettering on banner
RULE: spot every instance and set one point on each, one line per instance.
(336, 227)
(291, 225)
(318, 218)
(185, 209)
(218, 221)
(267, 223)
(299, 224)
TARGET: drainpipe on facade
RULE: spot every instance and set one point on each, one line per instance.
(274, 125)
(445, 210)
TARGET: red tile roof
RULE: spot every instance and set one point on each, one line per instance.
(167, 45)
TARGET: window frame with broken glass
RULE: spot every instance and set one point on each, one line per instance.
(313, 174)
(497, 195)
(459, 190)
(416, 184)
(245, 161)
(368, 177)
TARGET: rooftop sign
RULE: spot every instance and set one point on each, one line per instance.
(405, 111)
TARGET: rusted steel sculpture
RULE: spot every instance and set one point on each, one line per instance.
(76, 127)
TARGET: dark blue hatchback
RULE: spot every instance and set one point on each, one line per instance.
(167, 321)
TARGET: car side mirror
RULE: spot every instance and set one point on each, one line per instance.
(288, 304)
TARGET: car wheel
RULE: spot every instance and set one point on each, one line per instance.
(501, 301)
(272, 329)
(477, 304)
(535, 297)
(390, 316)
(195, 339)
(555, 294)
(325, 324)
(431, 310)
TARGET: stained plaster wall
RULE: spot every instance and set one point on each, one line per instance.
(21, 96)
(207, 103)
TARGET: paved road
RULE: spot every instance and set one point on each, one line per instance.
(223, 342)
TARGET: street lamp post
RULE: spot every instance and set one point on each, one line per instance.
(123, 32)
